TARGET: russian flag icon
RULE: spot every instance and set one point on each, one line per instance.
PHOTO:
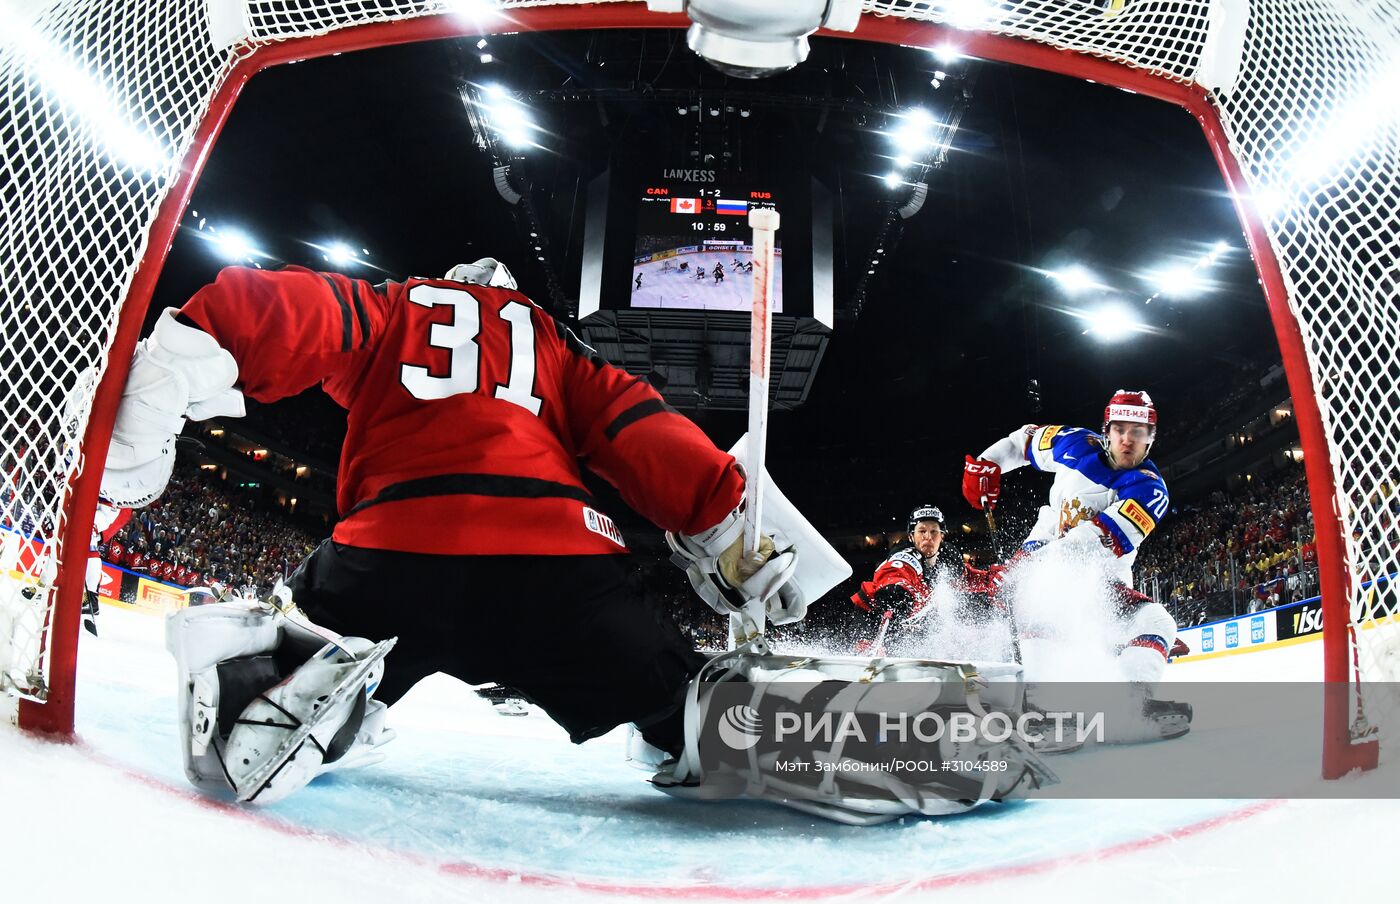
(731, 208)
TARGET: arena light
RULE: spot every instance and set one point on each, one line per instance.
(340, 254)
(969, 15)
(947, 54)
(1113, 323)
(1075, 279)
(1178, 282)
(475, 11)
(914, 134)
(233, 245)
(1351, 130)
(892, 180)
(507, 116)
(1269, 202)
(78, 90)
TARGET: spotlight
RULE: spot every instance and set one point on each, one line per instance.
(340, 254)
(946, 54)
(1075, 279)
(233, 245)
(1178, 282)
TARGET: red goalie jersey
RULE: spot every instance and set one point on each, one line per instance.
(469, 411)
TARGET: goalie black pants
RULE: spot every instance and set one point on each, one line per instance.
(576, 635)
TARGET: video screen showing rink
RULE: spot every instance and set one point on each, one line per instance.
(716, 276)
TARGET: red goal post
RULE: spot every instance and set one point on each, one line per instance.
(91, 198)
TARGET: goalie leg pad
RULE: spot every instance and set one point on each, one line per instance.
(869, 792)
(200, 639)
(231, 658)
(290, 733)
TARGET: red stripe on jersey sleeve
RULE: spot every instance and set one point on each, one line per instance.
(288, 329)
(664, 466)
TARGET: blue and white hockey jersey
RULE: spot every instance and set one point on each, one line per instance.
(1090, 501)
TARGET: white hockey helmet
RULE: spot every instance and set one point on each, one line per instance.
(484, 272)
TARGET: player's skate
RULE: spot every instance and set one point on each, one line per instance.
(1171, 719)
(504, 700)
(269, 701)
(1051, 738)
(89, 611)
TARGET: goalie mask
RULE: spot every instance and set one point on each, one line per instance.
(485, 272)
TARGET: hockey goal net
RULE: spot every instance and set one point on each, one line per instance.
(110, 109)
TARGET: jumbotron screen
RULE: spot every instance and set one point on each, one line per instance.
(694, 249)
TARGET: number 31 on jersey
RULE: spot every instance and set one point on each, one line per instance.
(458, 336)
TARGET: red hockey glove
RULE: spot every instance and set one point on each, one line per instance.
(984, 581)
(981, 483)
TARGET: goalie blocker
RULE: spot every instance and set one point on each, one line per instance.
(800, 567)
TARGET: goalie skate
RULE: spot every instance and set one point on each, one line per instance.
(264, 755)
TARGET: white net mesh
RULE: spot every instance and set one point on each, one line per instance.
(102, 99)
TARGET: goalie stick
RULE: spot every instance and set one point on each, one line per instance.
(748, 625)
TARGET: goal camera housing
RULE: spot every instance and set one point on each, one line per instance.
(753, 40)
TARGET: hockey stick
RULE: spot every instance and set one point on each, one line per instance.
(764, 222)
(877, 646)
(1010, 613)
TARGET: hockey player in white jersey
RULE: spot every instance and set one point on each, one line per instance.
(1107, 496)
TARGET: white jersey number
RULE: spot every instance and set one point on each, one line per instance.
(459, 336)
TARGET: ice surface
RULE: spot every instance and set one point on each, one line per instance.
(474, 806)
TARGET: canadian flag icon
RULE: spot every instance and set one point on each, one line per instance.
(685, 205)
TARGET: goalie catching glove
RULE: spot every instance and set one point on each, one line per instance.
(180, 372)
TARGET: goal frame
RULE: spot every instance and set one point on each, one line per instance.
(1339, 753)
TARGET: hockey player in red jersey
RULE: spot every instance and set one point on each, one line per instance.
(465, 528)
(899, 592)
(1106, 498)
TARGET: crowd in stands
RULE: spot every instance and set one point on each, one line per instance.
(203, 530)
(1249, 387)
(1236, 552)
